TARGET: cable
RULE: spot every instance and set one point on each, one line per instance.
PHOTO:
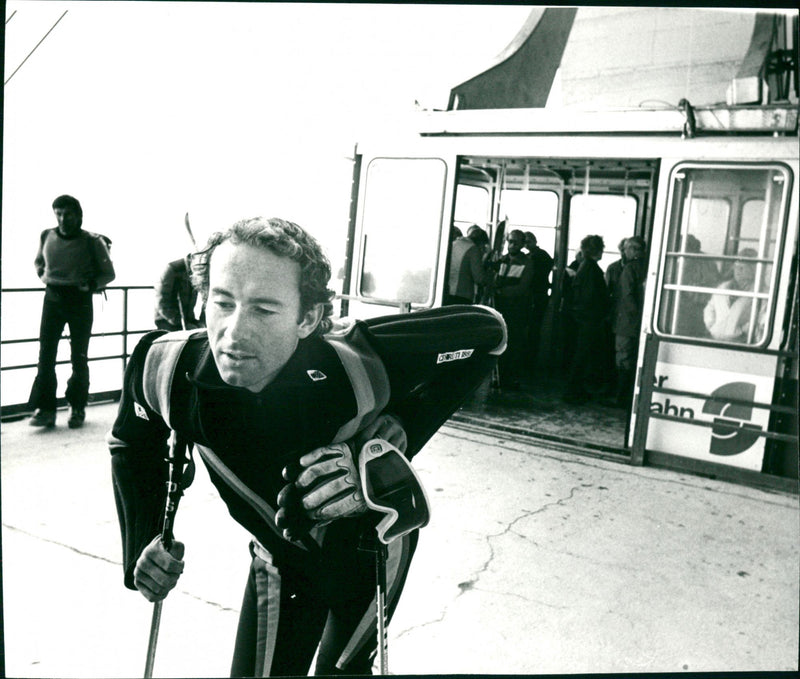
(37, 46)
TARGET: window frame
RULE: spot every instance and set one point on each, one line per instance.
(364, 226)
(671, 219)
(487, 218)
(571, 253)
(534, 227)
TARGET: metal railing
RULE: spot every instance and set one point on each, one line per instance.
(125, 332)
(16, 410)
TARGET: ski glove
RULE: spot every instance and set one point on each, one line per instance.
(324, 487)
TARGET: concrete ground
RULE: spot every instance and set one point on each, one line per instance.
(536, 561)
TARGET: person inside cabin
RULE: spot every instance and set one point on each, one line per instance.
(542, 264)
(467, 272)
(281, 402)
(590, 309)
(73, 264)
(176, 298)
(628, 319)
(728, 316)
(566, 315)
(512, 298)
(612, 276)
(701, 272)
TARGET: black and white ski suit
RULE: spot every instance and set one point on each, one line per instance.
(318, 591)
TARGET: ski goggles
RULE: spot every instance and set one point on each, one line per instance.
(392, 488)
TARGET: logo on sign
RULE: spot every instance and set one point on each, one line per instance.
(732, 432)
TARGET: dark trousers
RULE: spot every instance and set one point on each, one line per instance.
(589, 339)
(512, 361)
(285, 618)
(538, 308)
(63, 306)
(627, 350)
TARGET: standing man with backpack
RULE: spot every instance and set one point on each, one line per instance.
(73, 264)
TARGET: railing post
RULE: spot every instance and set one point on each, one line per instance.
(124, 330)
(646, 377)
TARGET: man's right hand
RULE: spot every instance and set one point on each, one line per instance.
(157, 570)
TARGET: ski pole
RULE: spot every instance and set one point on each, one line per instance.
(177, 458)
(380, 600)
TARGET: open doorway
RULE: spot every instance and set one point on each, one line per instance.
(559, 201)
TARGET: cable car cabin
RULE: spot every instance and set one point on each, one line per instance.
(712, 190)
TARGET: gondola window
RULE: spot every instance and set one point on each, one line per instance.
(721, 250)
(401, 228)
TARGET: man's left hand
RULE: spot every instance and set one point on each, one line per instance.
(328, 486)
(324, 485)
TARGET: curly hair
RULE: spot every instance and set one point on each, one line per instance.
(285, 239)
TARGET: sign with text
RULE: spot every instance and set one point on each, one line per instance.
(734, 437)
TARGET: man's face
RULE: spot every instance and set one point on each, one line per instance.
(515, 244)
(744, 273)
(253, 313)
(68, 220)
(632, 251)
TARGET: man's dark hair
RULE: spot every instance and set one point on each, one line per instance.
(592, 246)
(68, 202)
(285, 239)
(637, 242)
(478, 236)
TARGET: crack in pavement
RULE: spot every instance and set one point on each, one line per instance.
(113, 562)
(468, 585)
(61, 544)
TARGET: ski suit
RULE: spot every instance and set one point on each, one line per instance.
(318, 591)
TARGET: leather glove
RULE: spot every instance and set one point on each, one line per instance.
(291, 518)
(323, 486)
(329, 484)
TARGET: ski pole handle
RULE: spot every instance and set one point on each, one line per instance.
(177, 458)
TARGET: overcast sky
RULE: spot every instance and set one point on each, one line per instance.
(147, 110)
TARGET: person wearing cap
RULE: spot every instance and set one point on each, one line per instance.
(73, 264)
(295, 417)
